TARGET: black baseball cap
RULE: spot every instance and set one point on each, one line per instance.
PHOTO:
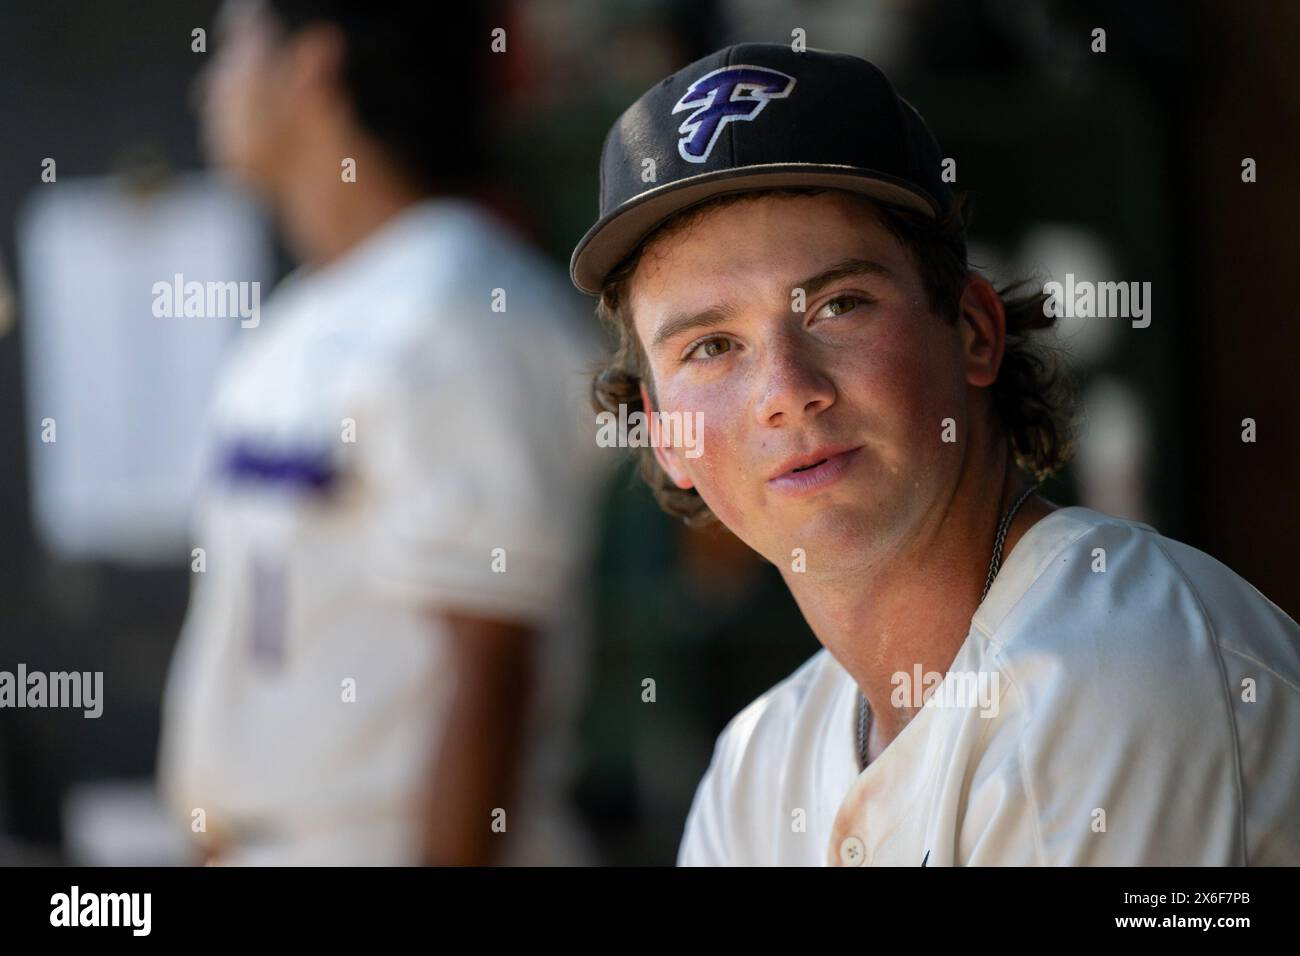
(757, 116)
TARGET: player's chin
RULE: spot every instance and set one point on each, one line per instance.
(819, 521)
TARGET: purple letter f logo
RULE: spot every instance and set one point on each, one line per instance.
(717, 98)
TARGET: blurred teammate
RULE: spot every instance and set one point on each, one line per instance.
(378, 656)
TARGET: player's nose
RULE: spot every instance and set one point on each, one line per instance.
(792, 384)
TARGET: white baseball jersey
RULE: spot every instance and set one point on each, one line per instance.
(1144, 714)
(402, 434)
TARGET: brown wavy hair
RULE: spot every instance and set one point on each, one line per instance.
(1034, 395)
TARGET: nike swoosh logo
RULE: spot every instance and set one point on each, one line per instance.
(927, 856)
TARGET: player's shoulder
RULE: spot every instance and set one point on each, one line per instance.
(763, 755)
(1118, 589)
(1241, 618)
(757, 745)
(487, 254)
(477, 289)
(807, 687)
(1118, 619)
(1128, 648)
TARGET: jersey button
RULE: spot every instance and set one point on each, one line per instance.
(852, 851)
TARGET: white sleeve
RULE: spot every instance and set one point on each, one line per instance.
(705, 840)
(1136, 771)
(1131, 750)
(1131, 812)
(467, 459)
(742, 808)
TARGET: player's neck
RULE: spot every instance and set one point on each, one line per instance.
(325, 212)
(914, 609)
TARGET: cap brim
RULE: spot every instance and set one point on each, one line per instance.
(615, 235)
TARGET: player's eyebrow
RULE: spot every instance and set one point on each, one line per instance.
(840, 270)
(716, 315)
(677, 324)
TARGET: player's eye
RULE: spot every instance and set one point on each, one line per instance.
(708, 348)
(841, 305)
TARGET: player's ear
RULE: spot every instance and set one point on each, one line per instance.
(983, 323)
(669, 458)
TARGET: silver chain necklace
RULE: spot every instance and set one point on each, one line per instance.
(864, 711)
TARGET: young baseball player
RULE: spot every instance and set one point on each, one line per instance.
(1003, 681)
(383, 647)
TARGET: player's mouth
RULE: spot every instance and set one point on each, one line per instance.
(812, 472)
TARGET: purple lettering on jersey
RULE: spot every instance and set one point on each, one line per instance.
(244, 463)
